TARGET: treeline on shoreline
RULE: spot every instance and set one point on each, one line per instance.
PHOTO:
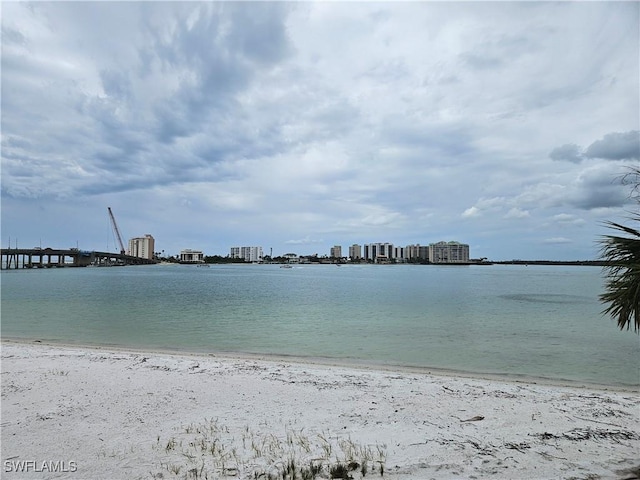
(595, 263)
(219, 259)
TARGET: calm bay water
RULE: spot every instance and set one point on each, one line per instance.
(540, 321)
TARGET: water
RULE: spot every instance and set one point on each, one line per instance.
(538, 321)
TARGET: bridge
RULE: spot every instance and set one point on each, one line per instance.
(14, 258)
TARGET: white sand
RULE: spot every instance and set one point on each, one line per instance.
(123, 415)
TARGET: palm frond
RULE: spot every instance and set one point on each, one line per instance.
(622, 287)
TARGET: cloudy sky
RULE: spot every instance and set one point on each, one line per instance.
(299, 126)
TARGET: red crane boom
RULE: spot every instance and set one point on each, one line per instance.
(115, 229)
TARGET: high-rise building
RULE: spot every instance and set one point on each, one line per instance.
(448, 252)
(249, 254)
(142, 247)
(416, 252)
(378, 252)
(355, 252)
(336, 251)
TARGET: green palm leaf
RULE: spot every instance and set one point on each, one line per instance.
(622, 287)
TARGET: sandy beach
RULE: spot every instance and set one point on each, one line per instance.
(71, 412)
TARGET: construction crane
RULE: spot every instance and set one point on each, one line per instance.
(115, 229)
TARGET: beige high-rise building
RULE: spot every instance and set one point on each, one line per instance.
(448, 252)
(417, 252)
(355, 252)
(142, 247)
(336, 251)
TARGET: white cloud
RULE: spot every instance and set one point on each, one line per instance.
(471, 212)
(568, 220)
(517, 213)
(557, 240)
(484, 205)
(304, 241)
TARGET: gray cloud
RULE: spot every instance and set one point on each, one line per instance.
(616, 146)
(116, 84)
(12, 36)
(181, 83)
(597, 187)
(569, 152)
(613, 146)
(215, 56)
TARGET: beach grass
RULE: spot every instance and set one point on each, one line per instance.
(209, 449)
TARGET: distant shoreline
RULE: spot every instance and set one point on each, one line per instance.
(10, 260)
(589, 263)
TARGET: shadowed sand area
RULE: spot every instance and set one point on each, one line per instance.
(104, 413)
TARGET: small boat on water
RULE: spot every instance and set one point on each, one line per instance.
(286, 266)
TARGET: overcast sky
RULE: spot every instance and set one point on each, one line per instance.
(299, 126)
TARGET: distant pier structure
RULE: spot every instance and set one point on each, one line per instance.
(15, 258)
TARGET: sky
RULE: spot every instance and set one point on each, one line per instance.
(300, 126)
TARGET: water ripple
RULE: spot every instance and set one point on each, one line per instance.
(546, 298)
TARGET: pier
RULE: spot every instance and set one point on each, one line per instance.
(15, 258)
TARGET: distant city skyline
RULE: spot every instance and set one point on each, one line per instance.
(434, 252)
(301, 125)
